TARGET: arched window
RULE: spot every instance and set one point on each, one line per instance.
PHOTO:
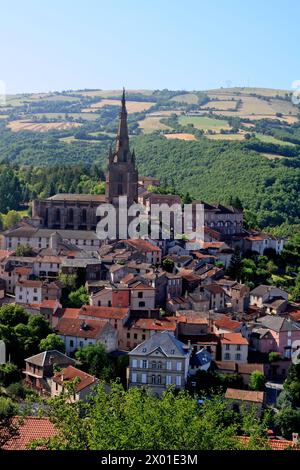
(57, 215)
(83, 216)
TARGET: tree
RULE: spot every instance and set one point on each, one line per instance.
(168, 265)
(137, 420)
(11, 219)
(288, 421)
(9, 373)
(9, 426)
(292, 384)
(235, 265)
(13, 314)
(79, 297)
(52, 342)
(94, 360)
(257, 381)
(274, 356)
(24, 250)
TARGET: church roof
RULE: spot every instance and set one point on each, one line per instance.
(78, 197)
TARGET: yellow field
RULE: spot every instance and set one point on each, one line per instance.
(131, 106)
(180, 136)
(150, 124)
(16, 126)
(189, 98)
(222, 105)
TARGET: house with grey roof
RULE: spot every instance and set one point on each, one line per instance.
(159, 362)
(270, 298)
(275, 333)
(40, 368)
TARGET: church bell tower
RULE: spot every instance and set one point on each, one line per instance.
(122, 176)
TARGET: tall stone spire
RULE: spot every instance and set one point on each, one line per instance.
(122, 176)
(122, 139)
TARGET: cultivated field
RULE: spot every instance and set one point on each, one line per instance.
(239, 136)
(19, 125)
(180, 136)
(151, 124)
(222, 105)
(131, 106)
(188, 98)
(204, 123)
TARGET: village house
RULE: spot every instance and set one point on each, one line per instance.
(274, 333)
(142, 296)
(142, 328)
(39, 238)
(28, 292)
(83, 383)
(146, 250)
(237, 294)
(265, 296)
(158, 362)
(259, 242)
(39, 369)
(225, 324)
(216, 295)
(234, 347)
(201, 360)
(78, 333)
(247, 398)
(116, 316)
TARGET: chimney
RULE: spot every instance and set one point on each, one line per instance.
(295, 437)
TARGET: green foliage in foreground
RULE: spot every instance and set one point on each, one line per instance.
(134, 419)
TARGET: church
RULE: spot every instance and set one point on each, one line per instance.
(78, 211)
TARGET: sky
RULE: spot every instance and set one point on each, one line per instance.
(50, 45)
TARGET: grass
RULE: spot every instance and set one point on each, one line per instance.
(131, 106)
(151, 124)
(71, 139)
(222, 105)
(239, 136)
(204, 123)
(272, 140)
(19, 125)
(189, 98)
(84, 116)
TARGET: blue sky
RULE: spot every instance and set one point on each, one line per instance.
(189, 44)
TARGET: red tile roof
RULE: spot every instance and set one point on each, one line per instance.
(118, 313)
(74, 327)
(29, 283)
(70, 373)
(275, 444)
(142, 245)
(70, 312)
(23, 270)
(233, 338)
(140, 286)
(154, 324)
(245, 395)
(227, 323)
(31, 429)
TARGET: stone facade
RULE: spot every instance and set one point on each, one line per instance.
(78, 211)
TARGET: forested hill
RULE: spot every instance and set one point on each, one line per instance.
(217, 171)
